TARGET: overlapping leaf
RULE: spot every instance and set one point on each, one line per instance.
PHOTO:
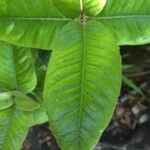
(73, 8)
(29, 23)
(16, 69)
(84, 75)
(82, 84)
(15, 122)
(128, 20)
(93, 7)
(69, 8)
(28, 26)
(17, 111)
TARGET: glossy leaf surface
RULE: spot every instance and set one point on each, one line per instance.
(93, 7)
(73, 8)
(29, 23)
(14, 123)
(82, 84)
(16, 69)
(69, 8)
(128, 20)
(5, 100)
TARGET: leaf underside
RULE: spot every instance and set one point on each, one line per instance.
(82, 86)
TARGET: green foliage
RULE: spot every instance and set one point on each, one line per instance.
(131, 84)
(16, 69)
(83, 85)
(129, 20)
(83, 76)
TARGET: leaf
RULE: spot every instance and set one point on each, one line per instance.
(5, 100)
(131, 84)
(30, 23)
(82, 84)
(14, 122)
(73, 8)
(93, 7)
(24, 102)
(69, 8)
(128, 20)
(16, 68)
(127, 66)
(14, 125)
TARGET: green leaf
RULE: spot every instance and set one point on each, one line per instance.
(73, 8)
(16, 68)
(39, 116)
(14, 125)
(131, 84)
(14, 122)
(128, 20)
(30, 23)
(82, 84)
(69, 8)
(24, 102)
(127, 66)
(5, 100)
(93, 7)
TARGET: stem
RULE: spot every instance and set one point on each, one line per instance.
(81, 6)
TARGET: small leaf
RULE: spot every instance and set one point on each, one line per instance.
(93, 7)
(14, 126)
(73, 8)
(131, 84)
(127, 66)
(69, 8)
(5, 100)
(24, 102)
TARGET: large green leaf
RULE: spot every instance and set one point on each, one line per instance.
(30, 23)
(82, 84)
(128, 20)
(16, 68)
(14, 123)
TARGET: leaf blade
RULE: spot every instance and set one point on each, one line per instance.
(93, 7)
(15, 122)
(71, 89)
(129, 21)
(16, 68)
(14, 126)
(22, 24)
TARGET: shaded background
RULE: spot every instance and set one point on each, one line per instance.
(129, 128)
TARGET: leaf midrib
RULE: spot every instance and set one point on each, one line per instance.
(82, 87)
(35, 18)
(82, 80)
(120, 17)
(14, 70)
(69, 19)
